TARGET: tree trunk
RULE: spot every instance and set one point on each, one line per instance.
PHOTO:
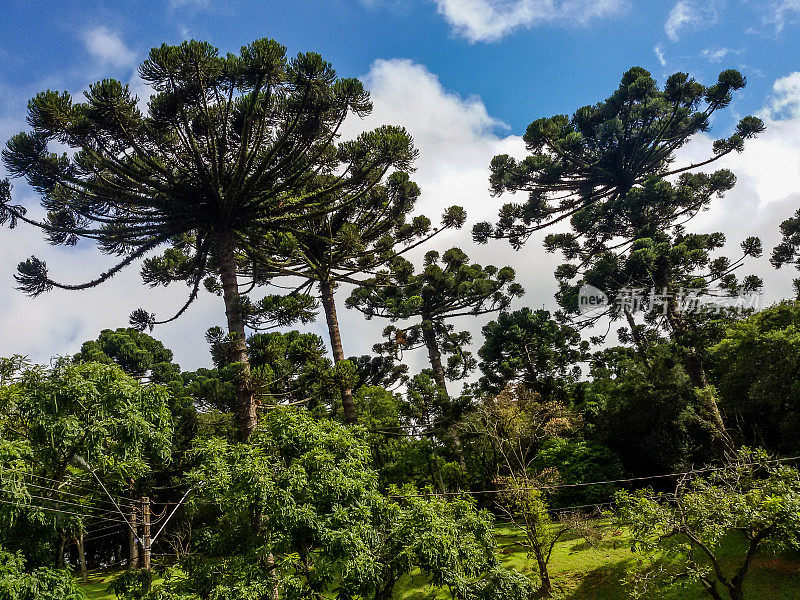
(637, 339)
(329, 305)
(246, 406)
(81, 557)
(434, 354)
(546, 587)
(693, 363)
(62, 541)
(722, 442)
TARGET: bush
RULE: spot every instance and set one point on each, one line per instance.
(579, 461)
(41, 584)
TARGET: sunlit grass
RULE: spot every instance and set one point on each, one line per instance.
(581, 571)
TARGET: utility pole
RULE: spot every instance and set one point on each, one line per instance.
(146, 536)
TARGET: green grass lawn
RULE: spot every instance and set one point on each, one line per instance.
(583, 572)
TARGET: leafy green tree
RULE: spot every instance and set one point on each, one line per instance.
(651, 417)
(753, 498)
(357, 238)
(517, 424)
(448, 287)
(71, 413)
(224, 158)
(578, 461)
(39, 584)
(136, 353)
(309, 487)
(531, 348)
(755, 366)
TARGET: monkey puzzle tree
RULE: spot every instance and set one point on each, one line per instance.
(356, 238)
(448, 287)
(223, 157)
(583, 168)
(610, 170)
(532, 348)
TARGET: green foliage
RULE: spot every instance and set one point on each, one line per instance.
(579, 461)
(752, 497)
(449, 286)
(599, 162)
(651, 417)
(303, 491)
(531, 348)
(40, 584)
(755, 366)
(135, 352)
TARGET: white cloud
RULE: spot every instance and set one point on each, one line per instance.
(717, 54)
(108, 46)
(785, 100)
(489, 20)
(660, 55)
(781, 12)
(692, 15)
(767, 190)
(457, 137)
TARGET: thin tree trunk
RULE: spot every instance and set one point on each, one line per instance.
(637, 339)
(81, 557)
(434, 354)
(435, 358)
(329, 306)
(246, 406)
(546, 586)
(62, 541)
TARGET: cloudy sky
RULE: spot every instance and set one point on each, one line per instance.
(464, 76)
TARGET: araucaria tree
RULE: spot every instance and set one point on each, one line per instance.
(224, 157)
(354, 239)
(448, 287)
(532, 348)
(610, 171)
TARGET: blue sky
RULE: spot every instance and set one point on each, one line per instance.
(466, 77)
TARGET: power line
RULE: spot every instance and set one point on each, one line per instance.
(67, 502)
(58, 491)
(55, 510)
(588, 483)
(56, 481)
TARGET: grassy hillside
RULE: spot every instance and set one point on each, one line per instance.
(584, 572)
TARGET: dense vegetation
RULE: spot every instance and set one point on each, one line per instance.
(283, 471)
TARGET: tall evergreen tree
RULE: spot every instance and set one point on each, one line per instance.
(356, 238)
(531, 348)
(609, 170)
(223, 157)
(448, 287)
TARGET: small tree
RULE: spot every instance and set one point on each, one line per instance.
(531, 348)
(754, 499)
(517, 423)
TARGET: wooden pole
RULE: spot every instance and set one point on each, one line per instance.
(146, 536)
